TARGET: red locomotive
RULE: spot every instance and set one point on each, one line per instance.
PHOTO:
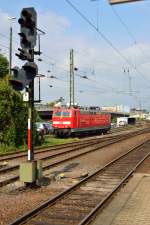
(68, 121)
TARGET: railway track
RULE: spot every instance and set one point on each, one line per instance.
(21, 154)
(18, 154)
(11, 174)
(78, 204)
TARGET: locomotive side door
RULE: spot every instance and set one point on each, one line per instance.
(76, 119)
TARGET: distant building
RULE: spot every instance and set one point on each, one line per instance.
(140, 113)
(134, 110)
(116, 108)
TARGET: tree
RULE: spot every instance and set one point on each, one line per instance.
(3, 66)
(13, 116)
(13, 111)
(52, 104)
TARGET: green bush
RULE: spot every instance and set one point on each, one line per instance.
(13, 116)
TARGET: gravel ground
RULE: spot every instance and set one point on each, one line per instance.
(145, 167)
(15, 200)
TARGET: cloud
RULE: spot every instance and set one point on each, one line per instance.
(4, 21)
(52, 23)
(111, 84)
(103, 67)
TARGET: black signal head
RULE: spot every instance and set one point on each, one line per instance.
(16, 85)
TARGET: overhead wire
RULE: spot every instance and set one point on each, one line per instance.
(128, 31)
(82, 76)
(105, 38)
(50, 62)
(108, 89)
(53, 62)
(65, 70)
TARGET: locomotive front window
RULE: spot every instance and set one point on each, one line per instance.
(66, 114)
(57, 113)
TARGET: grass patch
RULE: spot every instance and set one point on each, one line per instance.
(52, 141)
(4, 148)
(49, 141)
(8, 149)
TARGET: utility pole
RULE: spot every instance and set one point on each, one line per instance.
(10, 43)
(130, 84)
(39, 76)
(10, 51)
(130, 81)
(72, 96)
(31, 117)
(30, 122)
(39, 89)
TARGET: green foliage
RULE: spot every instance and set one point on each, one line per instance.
(3, 66)
(13, 116)
(52, 104)
(52, 141)
(37, 117)
(13, 113)
(5, 148)
(114, 120)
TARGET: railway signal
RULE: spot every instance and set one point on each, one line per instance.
(31, 70)
(17, 79)
(24, 76)
(28, 31)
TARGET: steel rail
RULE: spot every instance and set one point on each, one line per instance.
(83, 145)
(83, 153)
(50, 202)
(67, 146)
(15, 178)
(88, 218)
(16, 154)
(40, 150)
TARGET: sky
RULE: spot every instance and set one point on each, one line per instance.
(111, 47)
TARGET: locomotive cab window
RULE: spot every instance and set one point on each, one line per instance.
(66, 114)
(57, 114)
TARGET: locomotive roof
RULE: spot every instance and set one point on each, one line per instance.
(83, 110)
(91, 108)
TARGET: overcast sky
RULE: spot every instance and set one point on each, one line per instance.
(108, 69)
